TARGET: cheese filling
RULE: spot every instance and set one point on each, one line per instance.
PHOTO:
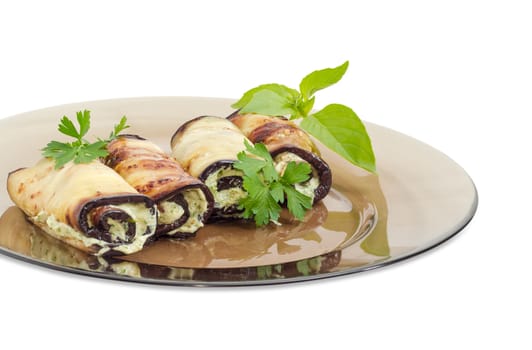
(227, 197)
(197, 206)
(308, 187)
(169, 212)
(144, 222)
(117, 229)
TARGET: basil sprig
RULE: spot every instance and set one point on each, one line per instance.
(336, 126)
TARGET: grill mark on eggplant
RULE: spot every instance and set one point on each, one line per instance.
(263, 132)
(119, 155)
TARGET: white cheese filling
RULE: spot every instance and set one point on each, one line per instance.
(144, 220)
(117, 229)
(197, 206)
(169, 212)
(308, 187)
(227, 197)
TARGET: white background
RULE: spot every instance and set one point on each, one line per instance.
(455, 74)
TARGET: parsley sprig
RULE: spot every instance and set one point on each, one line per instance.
(80, 150)
(267, 189)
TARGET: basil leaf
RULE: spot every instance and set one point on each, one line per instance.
(306, 107)
(321, 79)
(269, 103)
(340, 129)
(284, 92)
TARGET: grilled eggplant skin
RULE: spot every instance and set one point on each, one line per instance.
(286, 141)
(207, 147)
(184, 202)
(88, 206)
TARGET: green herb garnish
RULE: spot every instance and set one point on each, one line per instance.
(267, 189)
(81, 150)
(336, 126)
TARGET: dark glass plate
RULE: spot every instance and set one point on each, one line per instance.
(419, 199)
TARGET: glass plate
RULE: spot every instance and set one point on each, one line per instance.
(419, 199)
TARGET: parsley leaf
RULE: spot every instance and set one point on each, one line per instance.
(259, 204)
(80, 150)
(122, 125)
(297, 202)
(84, 120)
(296, 172)
(61, 152)
(267, 189)
(67, 127)
(262, 161)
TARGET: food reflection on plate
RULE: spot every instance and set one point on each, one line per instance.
(25, 239)
(347, 223)
(242, 244)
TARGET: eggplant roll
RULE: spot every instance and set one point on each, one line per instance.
(287, 142)
(207, 148)
(88, 206)
(184, 202)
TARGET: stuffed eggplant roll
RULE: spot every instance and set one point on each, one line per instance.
(184, 202)
(88, 206)
(287, 142)
(207, 148)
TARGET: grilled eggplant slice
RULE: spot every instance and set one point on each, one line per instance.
(207, 148)
(184, 202)
(88, 206)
